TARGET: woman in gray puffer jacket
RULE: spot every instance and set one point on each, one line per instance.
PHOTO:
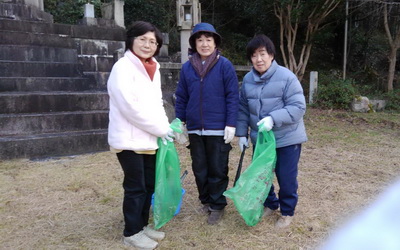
(271, 97)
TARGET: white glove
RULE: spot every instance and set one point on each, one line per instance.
(266, 123)
(182, 138)
(243, 142)
(229, 133)
(168, 137)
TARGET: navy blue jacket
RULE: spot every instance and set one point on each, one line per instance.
(210, 103)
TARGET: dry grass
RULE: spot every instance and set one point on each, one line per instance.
(75, 202)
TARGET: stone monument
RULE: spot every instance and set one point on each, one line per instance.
(188, 14)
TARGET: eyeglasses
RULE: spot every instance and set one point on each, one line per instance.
(142, 41)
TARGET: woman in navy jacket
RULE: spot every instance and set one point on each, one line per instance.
(207, 101)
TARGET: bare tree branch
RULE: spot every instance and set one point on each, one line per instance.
(289, 19)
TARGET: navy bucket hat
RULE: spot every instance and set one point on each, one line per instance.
(203, 27)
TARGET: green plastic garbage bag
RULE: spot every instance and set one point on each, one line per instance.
(252, 187)
(168, 189)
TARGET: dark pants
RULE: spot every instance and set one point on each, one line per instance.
(286, 174)
(139, 180)
(210, 156)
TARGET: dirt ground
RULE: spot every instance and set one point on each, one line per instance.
(75, 202)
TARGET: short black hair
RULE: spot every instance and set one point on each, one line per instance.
(260, 41)
(140, 28)
(192, 39)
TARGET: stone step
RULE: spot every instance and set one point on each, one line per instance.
(13, 1)
(37, 53)
(42, 102)
(39, 69)
(98, 47)
(38, 39)
(94, 63)
(38, 84)
(100, 79)
(74, 31)
(55, 144)
(17, 10)
(35, 27)
(39, 123)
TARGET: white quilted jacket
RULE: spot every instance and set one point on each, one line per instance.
(137, 116)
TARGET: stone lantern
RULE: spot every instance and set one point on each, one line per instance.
(188, 15)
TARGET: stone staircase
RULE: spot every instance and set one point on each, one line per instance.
(53, 98)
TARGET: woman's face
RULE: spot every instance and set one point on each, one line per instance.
(261, 60)
(205, 46)
(145, 45)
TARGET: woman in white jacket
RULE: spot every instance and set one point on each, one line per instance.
(137, 118)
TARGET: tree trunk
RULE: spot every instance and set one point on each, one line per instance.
(394, 46)
(289, 21)
(392, 67)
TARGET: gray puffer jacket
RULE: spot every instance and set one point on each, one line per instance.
(277, 93)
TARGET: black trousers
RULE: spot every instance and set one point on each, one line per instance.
(139, 181)
(210, 157)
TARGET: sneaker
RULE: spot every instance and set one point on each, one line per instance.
(215, 216)
(268, 211)
(141, 241)
(283, 221)
(153, 234)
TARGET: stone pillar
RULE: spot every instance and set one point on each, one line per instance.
(119, 13)
(88, 16)
(37, 3)
(114, 10)
(164, 47)
(313, 86)
(88, 10)
(185, 34)
(188, 14)
(107, 10)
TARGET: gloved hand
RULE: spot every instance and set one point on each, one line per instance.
(168, 137)
(229, 133)
(182, 138)
(267, 123)
(243, 142)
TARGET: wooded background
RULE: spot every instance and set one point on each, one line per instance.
(309, 35)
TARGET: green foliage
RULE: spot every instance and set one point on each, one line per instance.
(368, 48)
(234, 47)
(393, 100)
(160, 13)
(65, 11)
(238, 21)
(334, 92)
(97, 6)
(368, 53)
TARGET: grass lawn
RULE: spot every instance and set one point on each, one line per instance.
(76, 202)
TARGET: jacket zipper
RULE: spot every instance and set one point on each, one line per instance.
(260, 100)
(201, 103)
(201, 91)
